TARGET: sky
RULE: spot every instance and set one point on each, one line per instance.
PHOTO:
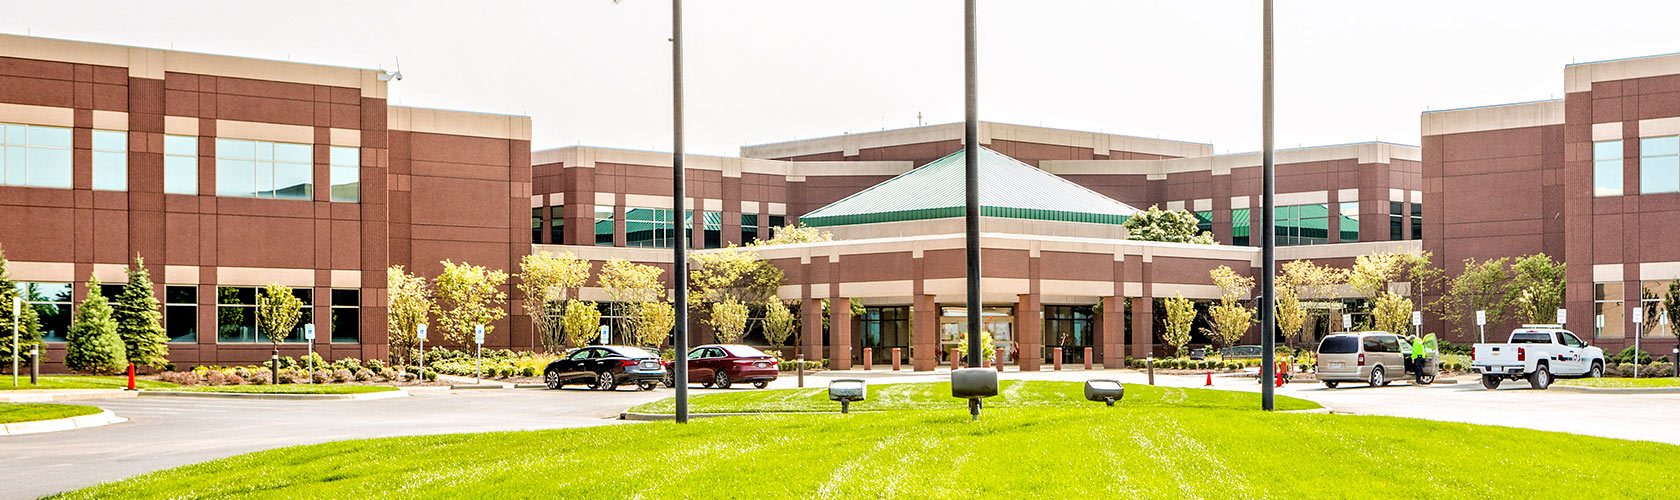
(596, 72)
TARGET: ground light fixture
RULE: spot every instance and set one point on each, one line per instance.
(974, 384)
(1104, 390)
(846, 391)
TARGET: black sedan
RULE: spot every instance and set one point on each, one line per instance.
(604, 367)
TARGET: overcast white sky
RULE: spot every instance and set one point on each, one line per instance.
(597, 73)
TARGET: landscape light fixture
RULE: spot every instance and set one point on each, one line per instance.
(974, 384)
(1104, 390)
(846, 391)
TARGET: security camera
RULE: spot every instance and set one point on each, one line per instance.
(385, 77)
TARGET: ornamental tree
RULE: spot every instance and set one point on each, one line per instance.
(582, 322)
(654, 322)
(28, 323)
(278, 311)
(629, 286)
(1231, 318)
(408, 300)
(92, 344)
(1299, 282)
(1181, 312)
(139, 322)
(1537, 287)
(546, 281)
(1172, 226)
(1391, 313)
(795, 233)
(1480, 287)
(728, 321)
(1671, 307)
(468, 296)
(779, 322)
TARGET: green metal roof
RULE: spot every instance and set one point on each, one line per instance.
(1008, 188)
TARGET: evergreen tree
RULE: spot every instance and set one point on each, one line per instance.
(29, 323)
(92, 345)
(139, 322)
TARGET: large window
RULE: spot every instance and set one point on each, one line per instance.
(1607, 168)
(649, 227)
(1417, 221)
(1204, 222)
(262, 169)
(884, 328)
(749, 228)
(1659, 165)
(557, 225)
(110, 160)
(52, 307)
(1302, 224)
(1348, 225)
(1239, 227)
(236, 314)
(1396, 220)
(346, 316)
(180, 313)
(1070, 328)
(345, 173)
(180, 164)
(1608, 309)
(604, 226)
(35, 155)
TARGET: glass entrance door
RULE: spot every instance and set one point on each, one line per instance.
(999, 321)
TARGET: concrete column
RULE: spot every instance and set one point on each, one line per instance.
(1143, 326)
(1113, 332)
(1029, 332)
(924, 338)
(839, 333)
(810, 328)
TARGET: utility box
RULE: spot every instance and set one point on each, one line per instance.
(1104, 390)
(974, 383)
(846, 391)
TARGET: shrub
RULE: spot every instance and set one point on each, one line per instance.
(343, 375)
(288, 376)
(260, 377)
(1234, 366)
(363, 375)
(1627, 356)
(179, 378)
(431, 375)
(322, 376)
(215, 378)
(235, 380)
(529, 371)
(375, 365)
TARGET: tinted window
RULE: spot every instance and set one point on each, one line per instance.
(745, 351)
(1340, 344)
(1531, 338)
(1390, 344)
(629, 352)
(1372, 344)
(579, 354)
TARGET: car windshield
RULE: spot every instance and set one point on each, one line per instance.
(1531, 338)
(744, 351)
(1340, 344)
(633, 352)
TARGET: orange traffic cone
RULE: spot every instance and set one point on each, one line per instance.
(1210, 379)
(1280, 379)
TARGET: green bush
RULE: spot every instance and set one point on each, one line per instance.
(1627, 356)
(529, 371)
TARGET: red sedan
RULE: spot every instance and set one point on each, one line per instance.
(724, 364)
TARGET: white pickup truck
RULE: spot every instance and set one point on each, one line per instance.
(1538, 353)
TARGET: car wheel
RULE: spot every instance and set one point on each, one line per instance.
(1377, 377)
(1490, 381)
(760, 384)
(1597, 370)
(1331, 385)
(646, 386)
(552, 379)
(722, 381)
(1426, 379)
(670, 380)
(1541, 378)
(606, 381)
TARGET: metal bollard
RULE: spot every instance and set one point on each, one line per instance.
(35, 365)
(801, 367)
(1087, 358)
(1058, 359)
(868, 358)
(1151, 370)
(897, 353)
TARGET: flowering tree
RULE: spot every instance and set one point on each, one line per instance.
(408, 298)
(1231, 318)
(1181, 312)
(546, 279)
(778, 322)
(630, 286)
(468, 296)
(654, 322)
(582, 322)
(729, 321)
(1173, 226)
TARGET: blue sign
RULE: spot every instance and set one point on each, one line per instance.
(309, 331)
(478, 334)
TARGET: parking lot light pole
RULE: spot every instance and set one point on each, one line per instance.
(1268, 297)
(971, 180)
(679, 258)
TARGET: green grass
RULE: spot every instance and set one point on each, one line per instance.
(79, 382)
(285, 389)
(1136, 451)
(1609, 382)
(933, 396)
(30, 412)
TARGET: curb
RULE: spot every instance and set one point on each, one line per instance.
(399, 393)
(478, 386)
(104, 417)
(1615, 390)
(49, 395)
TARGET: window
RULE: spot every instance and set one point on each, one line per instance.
(346, 316)
(262, 169)
(1396, 220)
(110, 160)
(557, 225)
(1659, 165)
(1417, 221)
(536, 225)
(604, 226)
(649, 227)
(236, 314)
(180, 313)
(111, 292)
(52, 307)
(713, 230)
(1204, 222)
(1607, 168)
(882, 329)
(1068, 327)
(1349, 221)
(180, 164)
(749, 228)
(775, 222)
(1651, 297)
(36, 155)
(1608, 310)
(1339, 344)
(345, 174)
(1302, 224)
(1239, 227)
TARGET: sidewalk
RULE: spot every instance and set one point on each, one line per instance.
(51, 395)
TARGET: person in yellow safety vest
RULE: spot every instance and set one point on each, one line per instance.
(1417, 359)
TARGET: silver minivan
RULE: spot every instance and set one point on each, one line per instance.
(1371, 357)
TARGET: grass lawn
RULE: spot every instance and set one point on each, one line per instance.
(1203, 447)
(936, 396)
(79, 382)
(285, 389)
(1617, 382)
(30, 412)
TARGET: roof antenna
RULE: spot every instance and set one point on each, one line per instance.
(918, 118)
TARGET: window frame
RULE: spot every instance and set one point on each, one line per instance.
(109, 162)
(184, 163)
(1648, 164)
(335, 307)
(170, 304)
(344, 163)
(228, 167)
(18, 154)
(1343, 209)
(1608, 155)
